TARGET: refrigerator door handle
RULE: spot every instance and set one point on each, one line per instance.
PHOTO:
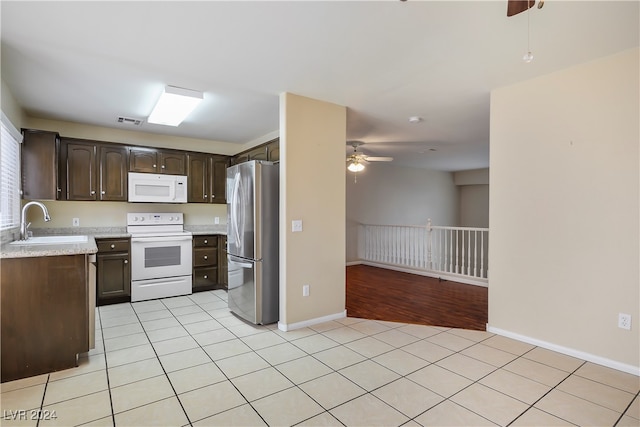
(241, 264)
(234, 209)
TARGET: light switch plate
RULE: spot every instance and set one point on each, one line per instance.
(296, 225)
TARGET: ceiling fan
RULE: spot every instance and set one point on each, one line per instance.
(516, 6)
(356, 160)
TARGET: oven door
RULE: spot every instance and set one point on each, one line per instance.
(157, 257)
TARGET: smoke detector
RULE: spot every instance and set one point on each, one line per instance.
(415, 119)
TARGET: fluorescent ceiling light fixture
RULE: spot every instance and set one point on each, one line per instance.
(174, 105)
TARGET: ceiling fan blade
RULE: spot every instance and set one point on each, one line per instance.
(516, 6)
(379, 159)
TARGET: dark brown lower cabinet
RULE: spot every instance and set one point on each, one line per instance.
(45, 314)
(205, 262)
(113, 276)
(209, 262)
(223, 270)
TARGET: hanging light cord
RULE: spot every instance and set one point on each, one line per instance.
(528, 57)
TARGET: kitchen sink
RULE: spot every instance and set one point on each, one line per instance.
(51, 240)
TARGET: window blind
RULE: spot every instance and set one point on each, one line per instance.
(10, 140)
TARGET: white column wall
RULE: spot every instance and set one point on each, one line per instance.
(312, 189)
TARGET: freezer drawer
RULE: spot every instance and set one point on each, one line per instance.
(242, 293)
(253, 290)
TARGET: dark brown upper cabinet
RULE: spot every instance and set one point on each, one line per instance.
(149, 160)
(40, 173)
(93, 170)
(61, 168)
(273, 150)
(199, 177)
(269, 151)
(219, 174)
(81, 169)
(207, 176)
(114, 160)
(259, 153)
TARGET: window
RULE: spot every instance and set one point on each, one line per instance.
(10, 140)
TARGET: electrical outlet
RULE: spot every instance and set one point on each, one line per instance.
(624, 321)
(216, 220)
(296, 225)
(76, 222)
(305, 290)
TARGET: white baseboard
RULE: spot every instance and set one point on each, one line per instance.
(609, 363)
(306, 323)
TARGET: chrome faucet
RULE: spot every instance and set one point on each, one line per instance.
(23, 218)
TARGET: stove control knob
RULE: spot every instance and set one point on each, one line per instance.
(141, 218)
(170, 218)
(135, 218)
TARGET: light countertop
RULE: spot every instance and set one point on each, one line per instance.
(27, 251)
(32, 251)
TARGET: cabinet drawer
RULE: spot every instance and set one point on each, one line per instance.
(204, 276)
(112, 245)
(205, 241)
(205, 257)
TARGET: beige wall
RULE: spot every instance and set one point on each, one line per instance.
(472, 177)
(312, 189)
(114, 214)
(474, 206)
(10, 107)
(564, 208)
(473, 189)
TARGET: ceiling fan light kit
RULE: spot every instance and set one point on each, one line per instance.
(356, 160)
(355, 167)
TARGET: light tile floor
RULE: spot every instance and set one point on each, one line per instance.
(188, 361)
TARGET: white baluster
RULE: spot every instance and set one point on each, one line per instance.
(475, 253)
(482, 256)
(469, 253)
(462, 247)
(429, 247)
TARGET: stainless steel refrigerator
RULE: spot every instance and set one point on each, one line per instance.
(252, 241)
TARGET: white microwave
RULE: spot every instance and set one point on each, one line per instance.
(155, 188)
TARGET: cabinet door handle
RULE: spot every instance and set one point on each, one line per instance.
(126, 261)
(206, 241)
(103, 192)
(113, 246)
(213, 196)
(162, 166)
(205, 276)
(205, 257)
(205, 196)
(154, 166)
(93, 192)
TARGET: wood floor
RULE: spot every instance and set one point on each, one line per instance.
(381, 294)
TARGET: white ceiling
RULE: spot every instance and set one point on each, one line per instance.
(90, 62)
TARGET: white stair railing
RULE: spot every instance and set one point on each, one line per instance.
(456, 253)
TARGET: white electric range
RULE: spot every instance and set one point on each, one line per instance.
(161, 252)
